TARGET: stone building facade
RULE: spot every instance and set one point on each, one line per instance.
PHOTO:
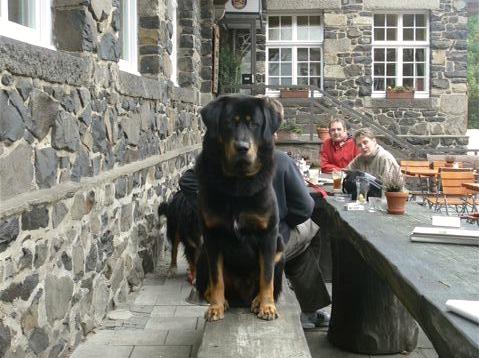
(432, 32)
(87, 153)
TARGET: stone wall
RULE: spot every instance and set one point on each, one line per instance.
(87, 153)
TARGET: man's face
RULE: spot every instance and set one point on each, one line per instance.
(337, 132)
(366, 145)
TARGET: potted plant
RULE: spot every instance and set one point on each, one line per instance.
(400, 92)
(229, 73)
(450, 159)
(289, 130)
(396, 194)
(322, 129)
(293, 93)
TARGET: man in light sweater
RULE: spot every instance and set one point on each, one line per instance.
(373, 158)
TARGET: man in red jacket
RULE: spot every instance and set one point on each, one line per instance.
(339, 150)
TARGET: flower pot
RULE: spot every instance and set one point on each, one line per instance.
(323, 133)
(390, 94)
(285, 135)
(396, 202)
(284, 93)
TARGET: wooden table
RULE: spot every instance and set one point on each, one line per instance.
(420, 172)
(474, 187)
(380, 278)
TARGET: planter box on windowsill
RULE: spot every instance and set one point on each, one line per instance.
(399, 95)
(294, 93)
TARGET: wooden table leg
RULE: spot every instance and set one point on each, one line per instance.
(366, 316)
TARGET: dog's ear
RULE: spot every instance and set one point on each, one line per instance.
(211, 114)
(273, 115)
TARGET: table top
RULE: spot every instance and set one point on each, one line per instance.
(471, 186)
(420, 171)
(422, 275)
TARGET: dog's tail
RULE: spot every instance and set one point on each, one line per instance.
(163, 209)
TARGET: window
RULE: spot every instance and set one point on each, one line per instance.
(294, 52)
(27, 20)
(172, 9)
(128, 36)
(401, 53)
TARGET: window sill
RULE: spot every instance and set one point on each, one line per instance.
(425, 103)
(127, 67)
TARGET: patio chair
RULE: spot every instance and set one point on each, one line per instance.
(439, 164)
(450, 191)
(416, 181)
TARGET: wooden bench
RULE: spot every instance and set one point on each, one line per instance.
(242, 334)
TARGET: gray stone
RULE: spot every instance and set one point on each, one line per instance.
(126, 217)
(46, 162)
(36, 218)
(58, 214)
(7, 79)
(98, 132)
(58, 293)
(41, 254)
(12, 123)
(100, 300)
(131, 127)
(109, 48)
(5, 338)
(24, 87)
(82, 166)
(438, 83)
(121, 187)
(78, 260)
(453, 103)
(77, 210)
(92, 258)
(100, 9)
(44, 112)
(21, 290)
(56, 350)
(66, 133)
(9, 230)
(26, 260)
(75, 30)
(352, 70)
(38, 341)
(67, 261)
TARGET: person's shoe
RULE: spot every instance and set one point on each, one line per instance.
(311, 320)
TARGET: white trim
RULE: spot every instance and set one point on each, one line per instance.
(173, 13)
(41, 32)
(129, 61)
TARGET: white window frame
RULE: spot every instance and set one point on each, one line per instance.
(39, 35)
(294, 44)
(399, 45)
(130, 14)
(172, 12)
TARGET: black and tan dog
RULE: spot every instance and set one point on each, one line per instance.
(242, 259)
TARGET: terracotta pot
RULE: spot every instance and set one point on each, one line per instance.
(396, 202)
(399, 95)
(323, 133)
(294, 93)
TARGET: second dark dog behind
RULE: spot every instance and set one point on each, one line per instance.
(183, 225)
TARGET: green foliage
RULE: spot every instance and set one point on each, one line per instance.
(473, 70)
(393, 181)
(400, 89)
(289, 126)
(229, 68)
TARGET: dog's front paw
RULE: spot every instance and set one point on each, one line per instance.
(267, 311)
(215, 312)
(255, 305)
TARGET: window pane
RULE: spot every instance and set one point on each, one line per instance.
(285, 54)
(391, 69)
(287, 34)
(273, 69)
(286, 69)
(302, 33)
(286, 80)
(408, 35)
(379, 84)
(302, 69)
(302, 54)
(302, 21)
(407, 69)
(391, 54)
(419, 84)
(420, 34)
(315, 81)
(379, 54)
(408, 82)
(420, 69)
(315, 33)
(390, 82)
(408, 20)
(420, 55)
(286, 21)
(274, 81)
(22, 12)
(420, 21)
(273, 21)
(302, 81)
(379, 20)
(391, 34)
(392, 20)
(315, 69)
(408, 54)
(379, 69)
(315, 54)
(273, 54)
(273, 34)
(124, 30)
(315, 20)
(379, 34)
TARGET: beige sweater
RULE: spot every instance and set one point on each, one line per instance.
(378, 164)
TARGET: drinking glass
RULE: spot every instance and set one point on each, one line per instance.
(337, 180)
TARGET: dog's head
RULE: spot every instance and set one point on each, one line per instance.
(241, 127)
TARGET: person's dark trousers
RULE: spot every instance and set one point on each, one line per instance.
(306, 278)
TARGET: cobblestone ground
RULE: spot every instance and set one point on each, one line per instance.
(157, 322)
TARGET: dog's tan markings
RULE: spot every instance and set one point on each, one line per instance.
(248, 118)
(211, 221)
(277, 257)
(263, 304)
(174, 255)
(237, 119)
(254, 220)
(216, 294)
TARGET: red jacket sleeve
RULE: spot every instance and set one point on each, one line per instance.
(326, 153)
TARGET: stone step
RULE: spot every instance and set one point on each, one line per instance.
(242, 335)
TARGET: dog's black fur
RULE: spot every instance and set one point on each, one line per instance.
(183, 226)
(243, 261)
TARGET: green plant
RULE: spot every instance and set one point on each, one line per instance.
(229, 68)
(450, 159)
(393, 181)
(289, 126)
(400, 89)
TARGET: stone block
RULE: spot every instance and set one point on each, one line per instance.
(36, 218)
(75, 30)
(334, 71)
(438, 57)
(9, 230)
(46, 162)
(109, 48)
(38, 340)
(21, 290)
(66, 133)
(5, 339)
(101, 9)
(58, 293)
(453, 103)
(335, 20)
(362, 21)
(12, 124)
(337, 46)
(401, 5)
(58, 214)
